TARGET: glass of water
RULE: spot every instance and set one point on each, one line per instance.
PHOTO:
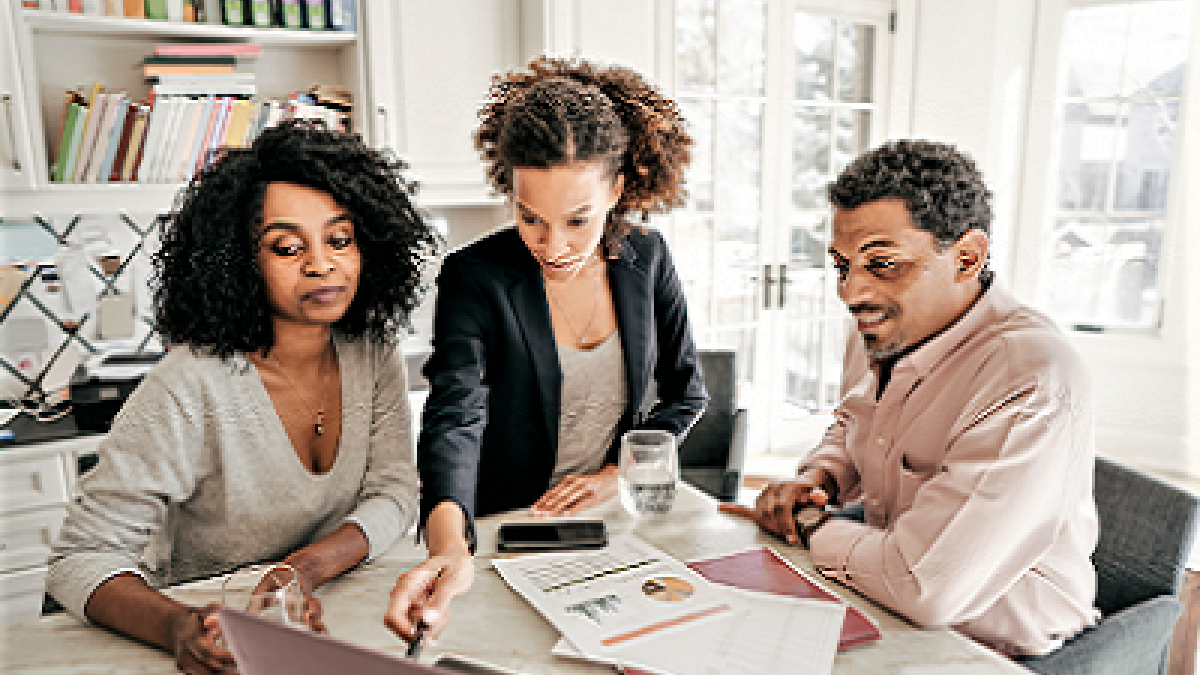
(270, 591)
(647, 472)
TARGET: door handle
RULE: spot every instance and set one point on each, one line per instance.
(768, 280)
(12, 135)
(783, 281)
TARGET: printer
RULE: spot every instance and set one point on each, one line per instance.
(100, 385)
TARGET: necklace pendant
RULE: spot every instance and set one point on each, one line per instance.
(320, 425)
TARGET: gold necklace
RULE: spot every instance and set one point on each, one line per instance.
(319, 411)
(591, 316)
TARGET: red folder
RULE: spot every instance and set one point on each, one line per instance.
(761, 569)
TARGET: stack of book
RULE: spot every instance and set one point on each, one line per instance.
(200, 104)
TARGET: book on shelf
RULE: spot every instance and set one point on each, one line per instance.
(236, 49)
(315, 15)
(81, 114)
(259, 13)
(156, 10)
(75, 112)
(135, 9)
(136, 140)
(114, 8)
(342, 16)
(233, 12)
(191, 11)
(124, 138)
(93, 7)
(96, 106)
(102, 154)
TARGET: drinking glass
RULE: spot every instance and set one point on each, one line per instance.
(270, 591)
(647, 472)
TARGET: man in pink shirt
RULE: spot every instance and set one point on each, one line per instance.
(965, 428)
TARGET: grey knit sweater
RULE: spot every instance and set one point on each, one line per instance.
(198, 475)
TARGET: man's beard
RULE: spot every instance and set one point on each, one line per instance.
(879, 351)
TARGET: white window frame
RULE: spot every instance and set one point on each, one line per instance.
(1041, 167)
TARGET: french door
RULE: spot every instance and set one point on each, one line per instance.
(780, 95)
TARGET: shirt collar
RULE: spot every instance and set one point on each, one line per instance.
(993, 304)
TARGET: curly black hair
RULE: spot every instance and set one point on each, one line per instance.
(208, 289)
(943, 189)
(559, 111)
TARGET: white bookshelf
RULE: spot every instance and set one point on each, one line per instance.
(57, 23)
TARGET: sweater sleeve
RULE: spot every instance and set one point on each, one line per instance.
(152, 458)
(386, 505)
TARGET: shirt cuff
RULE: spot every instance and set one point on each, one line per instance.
(381, 521)
(832, 545)
(72, 580)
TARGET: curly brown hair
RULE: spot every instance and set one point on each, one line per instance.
(559, 111)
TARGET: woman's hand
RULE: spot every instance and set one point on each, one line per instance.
(577, 492)
(194, 634)
(422, 594)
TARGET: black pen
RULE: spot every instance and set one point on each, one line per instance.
(414, 647)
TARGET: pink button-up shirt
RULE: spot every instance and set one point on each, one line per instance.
(975, 471)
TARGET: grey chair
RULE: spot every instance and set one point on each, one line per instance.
(711, 455)
(1146, 532)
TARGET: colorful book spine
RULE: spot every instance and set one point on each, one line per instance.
(315, 17)
(209, 49)
(260, 13)
(291, 14)
(156, 10)
(342, 15)
(137, 141)
(233, 12)
(99, 105)
(74, 114)
(73, 144)
(112, 138)
(135, 9)
(114, 172)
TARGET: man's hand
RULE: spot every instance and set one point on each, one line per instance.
(577, 492)
(194, 642)
(777, 503)
(423, 594)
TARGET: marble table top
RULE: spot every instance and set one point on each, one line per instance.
(493, 623)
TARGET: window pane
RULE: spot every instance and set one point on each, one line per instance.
(1089, 145)
(1158, 48)
(810, 157)
(699, 116)
(692, 250)
(1094, 50)
(814, 57)
(695, 45)
(1144, 172)
(853, 137)
(743, 48)
(809, 237)
(739, 156)
(1130, 296)
(1071, 269)
(735, 263)
(856, 57)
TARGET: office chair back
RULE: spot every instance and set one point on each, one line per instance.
(711, 455)
(1147, 528)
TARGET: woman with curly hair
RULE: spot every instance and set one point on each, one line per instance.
(549, 334)
(277, 428)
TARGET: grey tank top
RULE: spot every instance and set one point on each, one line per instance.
(593, 398)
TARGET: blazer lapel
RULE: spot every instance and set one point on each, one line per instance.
(635, 318)
(533, 316)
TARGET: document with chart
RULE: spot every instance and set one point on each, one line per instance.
(627, 593)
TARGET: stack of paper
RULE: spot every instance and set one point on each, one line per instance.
(633, 605)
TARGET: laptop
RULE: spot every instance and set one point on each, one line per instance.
(264, 647)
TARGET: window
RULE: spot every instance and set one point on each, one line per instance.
(1119, 97)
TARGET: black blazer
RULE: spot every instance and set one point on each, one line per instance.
(489, 432)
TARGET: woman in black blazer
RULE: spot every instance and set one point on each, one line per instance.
(550, 335)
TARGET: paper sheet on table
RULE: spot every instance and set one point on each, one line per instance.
(767, 632)
(623, 594)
